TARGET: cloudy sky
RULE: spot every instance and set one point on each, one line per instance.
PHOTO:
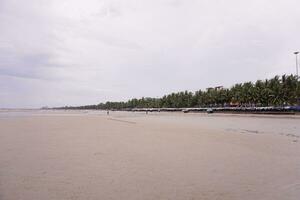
(74, 52)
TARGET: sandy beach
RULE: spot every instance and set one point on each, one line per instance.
(68, 155)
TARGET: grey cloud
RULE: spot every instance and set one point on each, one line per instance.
(80, 52)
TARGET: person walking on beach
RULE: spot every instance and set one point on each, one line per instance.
(107, 112)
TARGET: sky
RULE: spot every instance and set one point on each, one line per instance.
(75, 52)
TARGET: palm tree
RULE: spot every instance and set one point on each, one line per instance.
(277, 91)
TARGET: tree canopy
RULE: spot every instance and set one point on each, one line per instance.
(277, 91)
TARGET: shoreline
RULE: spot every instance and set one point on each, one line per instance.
(282, 115)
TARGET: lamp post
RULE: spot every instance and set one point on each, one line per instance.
(296, 53)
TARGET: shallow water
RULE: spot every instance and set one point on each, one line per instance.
(249, 124)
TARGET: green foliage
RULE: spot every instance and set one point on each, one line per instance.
(278, 91)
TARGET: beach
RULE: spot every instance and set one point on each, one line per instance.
(68, 155)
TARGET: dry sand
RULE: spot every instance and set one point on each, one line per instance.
(87, 155)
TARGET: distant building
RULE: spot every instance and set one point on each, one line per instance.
(219, 87)
(215, 88)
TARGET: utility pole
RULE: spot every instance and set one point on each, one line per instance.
(298, 99)
(296, 53)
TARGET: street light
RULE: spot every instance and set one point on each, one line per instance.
(296, 53)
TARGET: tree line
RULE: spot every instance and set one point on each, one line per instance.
(277, 91)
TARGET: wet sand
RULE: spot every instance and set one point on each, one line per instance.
(69, 155)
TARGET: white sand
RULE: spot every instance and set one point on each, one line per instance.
(87, 155)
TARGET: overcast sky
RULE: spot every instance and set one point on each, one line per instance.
(75, 52)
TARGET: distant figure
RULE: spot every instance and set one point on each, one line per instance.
(107, 112)
(209, 110)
